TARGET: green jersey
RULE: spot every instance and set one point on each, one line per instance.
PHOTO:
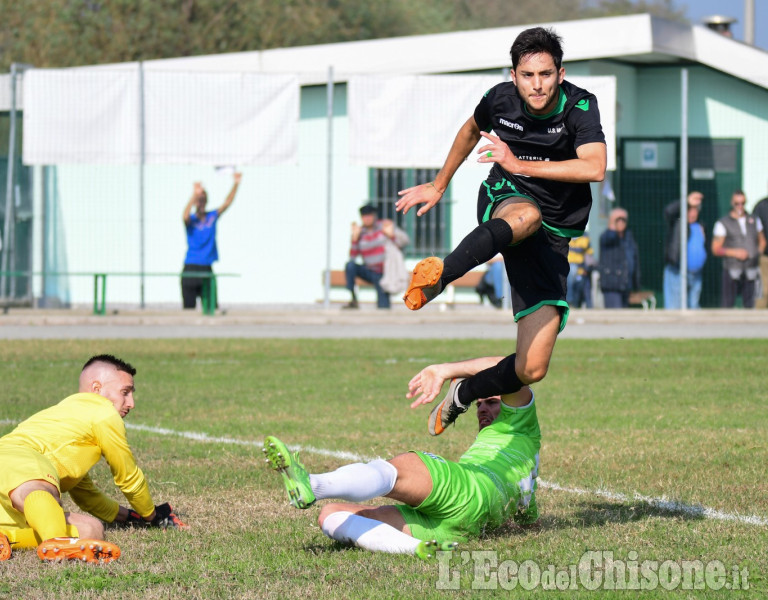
(493, 481)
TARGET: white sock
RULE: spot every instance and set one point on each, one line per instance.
(356, 482)
(369, 534)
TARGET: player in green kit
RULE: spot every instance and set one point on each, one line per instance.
(443, 501)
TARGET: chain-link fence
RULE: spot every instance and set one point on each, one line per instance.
(68, 215)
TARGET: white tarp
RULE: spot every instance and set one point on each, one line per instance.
(92, 116)
(411, 121)
(73, 116)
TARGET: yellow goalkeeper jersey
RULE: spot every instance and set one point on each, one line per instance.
(74, 435)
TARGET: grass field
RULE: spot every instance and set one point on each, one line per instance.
(624, 423)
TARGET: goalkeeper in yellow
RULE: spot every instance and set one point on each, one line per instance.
(52, 452)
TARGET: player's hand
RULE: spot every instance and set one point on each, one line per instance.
(497, 151)
(237, 177)
(165, 518)
(426, 194)
(197, 188)
(426, 385)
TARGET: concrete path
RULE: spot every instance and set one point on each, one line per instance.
(470, 321)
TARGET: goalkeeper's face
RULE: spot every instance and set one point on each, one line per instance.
(117, 387)
(487, 410)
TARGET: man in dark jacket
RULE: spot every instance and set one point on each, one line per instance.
(619, 261)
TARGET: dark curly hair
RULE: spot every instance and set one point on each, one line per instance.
(537, 40)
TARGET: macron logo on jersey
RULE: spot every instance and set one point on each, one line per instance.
(583, 104)
(510, 124)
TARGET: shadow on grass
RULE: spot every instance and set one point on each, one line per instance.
(596, 513)
(331, 547)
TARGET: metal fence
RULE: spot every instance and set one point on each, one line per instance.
(61, 220)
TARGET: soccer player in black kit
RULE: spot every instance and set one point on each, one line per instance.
(547, 148)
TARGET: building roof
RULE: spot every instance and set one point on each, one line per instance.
(636, 39)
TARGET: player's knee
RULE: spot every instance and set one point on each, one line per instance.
(87, 526)
(524, 218)
(326, 511)
(531, 373)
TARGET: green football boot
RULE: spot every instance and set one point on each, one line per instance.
(427, 550)
(295, 476)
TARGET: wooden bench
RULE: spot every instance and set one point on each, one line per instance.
(468, 280)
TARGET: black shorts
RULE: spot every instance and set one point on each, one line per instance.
(192, 287)
(537, 267)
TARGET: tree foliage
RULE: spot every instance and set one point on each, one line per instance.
(61, 33)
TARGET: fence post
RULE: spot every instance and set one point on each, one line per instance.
(683, 190)
(10, 217)
(329, 193)
(142, 160)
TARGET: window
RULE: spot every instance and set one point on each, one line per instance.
(429, 233)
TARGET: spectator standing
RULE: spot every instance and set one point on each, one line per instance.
(619, 261)
(492, 283)
(696, 253)
(369, 242)
(201, 240)
(739, 239)
(581, 258)
(761, 212)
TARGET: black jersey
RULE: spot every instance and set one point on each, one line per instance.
(574, 121)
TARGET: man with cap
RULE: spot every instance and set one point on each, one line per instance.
(369, 242)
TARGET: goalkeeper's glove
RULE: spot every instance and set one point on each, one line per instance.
(164, 517)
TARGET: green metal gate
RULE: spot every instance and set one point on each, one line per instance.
(649, 179)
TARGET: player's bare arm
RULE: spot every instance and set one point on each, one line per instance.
(589, 165)
(429, 194)
(231, 196)
(427, 383)
(197, 189)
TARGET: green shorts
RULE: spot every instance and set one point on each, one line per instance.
(466, 500)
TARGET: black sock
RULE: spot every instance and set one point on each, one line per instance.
(480, 246)
(494, 381)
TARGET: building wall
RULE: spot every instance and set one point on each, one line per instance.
(720, 106)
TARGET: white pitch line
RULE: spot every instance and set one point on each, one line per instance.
(663, 503)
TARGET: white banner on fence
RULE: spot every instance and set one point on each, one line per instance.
(92, 116)
(221, 118)
(411, 121)
(80, 116)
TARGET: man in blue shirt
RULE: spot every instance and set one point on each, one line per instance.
(696, 253)
(201, 240)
